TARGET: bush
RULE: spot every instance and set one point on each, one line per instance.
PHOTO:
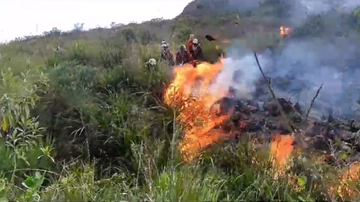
(211, 53)
(183, 34)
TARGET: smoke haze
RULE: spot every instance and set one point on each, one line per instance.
(303, 65)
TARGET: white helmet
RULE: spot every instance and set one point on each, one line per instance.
(195, 41)
(164, 44)
(152, 61)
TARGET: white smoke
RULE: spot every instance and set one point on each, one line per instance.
(303, 65)
(301, 10)
(310, 63)
(239, 73)
(298, 71)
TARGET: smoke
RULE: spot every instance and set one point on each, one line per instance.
(240, 74)
(239, 71)
(303, 65)
(299, 11)
(326, 59)
(298, 72)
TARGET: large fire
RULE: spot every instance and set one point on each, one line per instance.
(191, 94)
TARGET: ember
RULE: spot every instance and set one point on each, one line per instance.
(285, 31)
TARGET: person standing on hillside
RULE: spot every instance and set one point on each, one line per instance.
(166, 54)
(190, 42)
(182, 56)
(196, 51)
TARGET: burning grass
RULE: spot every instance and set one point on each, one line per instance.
(193, 95)
(190, 93)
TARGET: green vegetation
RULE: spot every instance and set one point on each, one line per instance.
(83, 120)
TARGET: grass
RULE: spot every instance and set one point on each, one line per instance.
(88, 123)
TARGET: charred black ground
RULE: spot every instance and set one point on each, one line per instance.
(263, 119)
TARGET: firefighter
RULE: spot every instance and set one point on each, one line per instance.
(196, 51)
(166, 54)
(190, 42)
(164, 43)
(182, 56)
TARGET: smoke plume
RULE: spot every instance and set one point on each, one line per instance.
(304, 64)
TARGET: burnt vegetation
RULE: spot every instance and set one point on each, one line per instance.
(83, 120)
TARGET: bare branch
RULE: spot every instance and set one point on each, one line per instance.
(291, 127)
(312, 102)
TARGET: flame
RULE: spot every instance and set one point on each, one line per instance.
(285, 31)
(281, 149)
(191, 93)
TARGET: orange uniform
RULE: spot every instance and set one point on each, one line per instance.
(189, 47)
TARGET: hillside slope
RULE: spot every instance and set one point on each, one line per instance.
(84, 118)
(215, 8)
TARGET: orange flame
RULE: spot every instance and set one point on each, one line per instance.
(285, 31)
(190, 92)
(281, 149)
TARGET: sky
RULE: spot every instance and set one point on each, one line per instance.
(20, 17)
